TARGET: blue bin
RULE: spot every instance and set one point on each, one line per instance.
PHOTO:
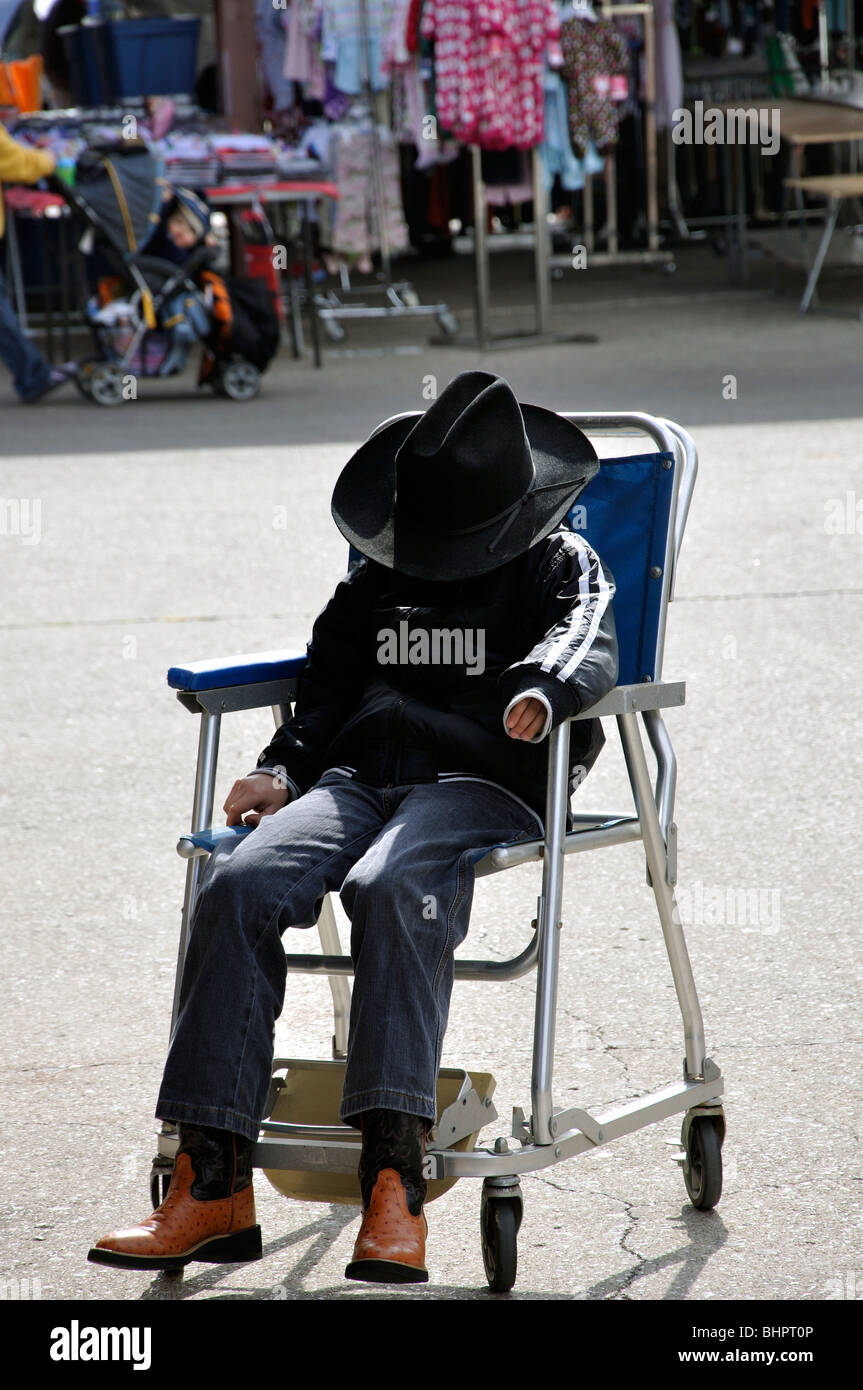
(152, 57)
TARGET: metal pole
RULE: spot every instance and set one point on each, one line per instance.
(548, 930)
(587, 205)
(611, 202)
(541, 248)
(202, 817)
(480, 243)
(650, 160)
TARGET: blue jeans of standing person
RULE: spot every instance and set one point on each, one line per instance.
(403, 859)
(30, 371)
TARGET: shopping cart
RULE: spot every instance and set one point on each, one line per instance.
(633, 513)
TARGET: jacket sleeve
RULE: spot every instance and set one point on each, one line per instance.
(575, 662)
(338, 669)
(20, 164)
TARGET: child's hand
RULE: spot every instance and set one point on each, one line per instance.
(526, 719)
(253, 797)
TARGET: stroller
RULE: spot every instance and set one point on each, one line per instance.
(162, 309)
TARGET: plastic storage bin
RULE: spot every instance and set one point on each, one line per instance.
(152, 57)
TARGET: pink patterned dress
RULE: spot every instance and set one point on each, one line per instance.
(489, 58)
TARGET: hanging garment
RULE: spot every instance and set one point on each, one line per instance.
(302, 50)
(669, 64)
(412, 34)
(489, 59)
(358, 55)
(269, 25)
(356, 229)
(593, 54)
(556, 152)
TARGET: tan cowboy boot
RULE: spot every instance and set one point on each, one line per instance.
(208, 1213)
(390, 1248)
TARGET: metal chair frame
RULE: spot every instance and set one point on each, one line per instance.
(546, 1135)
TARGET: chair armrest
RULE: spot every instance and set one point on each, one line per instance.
(218, 673)
(196, 844)
(632, 699)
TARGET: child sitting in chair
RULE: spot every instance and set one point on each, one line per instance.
(473, 625)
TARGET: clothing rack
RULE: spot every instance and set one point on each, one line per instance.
(652, 254)
(400, 299)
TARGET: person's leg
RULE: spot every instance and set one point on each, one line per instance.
(235, 969)
(409, 900)
(30, 372)
(218, 1069)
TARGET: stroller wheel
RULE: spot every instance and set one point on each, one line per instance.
(106, 384)
(239, 381)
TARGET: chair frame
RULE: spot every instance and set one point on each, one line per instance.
(545, 1136)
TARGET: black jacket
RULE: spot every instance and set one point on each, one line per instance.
(408, 678)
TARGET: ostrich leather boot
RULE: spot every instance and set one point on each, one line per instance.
(390, 1248)
(208, 1213)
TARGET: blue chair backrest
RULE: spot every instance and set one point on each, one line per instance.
(624, 513)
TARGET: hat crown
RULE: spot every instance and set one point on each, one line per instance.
(467, 460)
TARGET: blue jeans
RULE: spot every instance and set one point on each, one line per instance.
(403, 859)
(30, 371)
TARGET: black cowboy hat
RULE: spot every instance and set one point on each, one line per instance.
(465, 486)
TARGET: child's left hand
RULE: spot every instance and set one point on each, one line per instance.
(526, 719)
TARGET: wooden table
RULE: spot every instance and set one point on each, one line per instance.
(805, 122)
(835, 188)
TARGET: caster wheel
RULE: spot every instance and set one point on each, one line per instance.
(333, 330)
(669, 267)
(411, 298)
(160, 1180)
(159, 1184)
(239, 381)
(448, 324)
(106, 384)
(500, 1219)
(702, 1168)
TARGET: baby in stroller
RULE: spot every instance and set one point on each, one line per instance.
(184, 237)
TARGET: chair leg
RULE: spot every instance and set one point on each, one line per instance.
(548, 935)
(339, 987)
(672, 930)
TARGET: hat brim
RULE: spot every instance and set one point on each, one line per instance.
(363, 502)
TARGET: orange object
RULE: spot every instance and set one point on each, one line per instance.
(25, 78)
(220, 307)
(7, 93)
